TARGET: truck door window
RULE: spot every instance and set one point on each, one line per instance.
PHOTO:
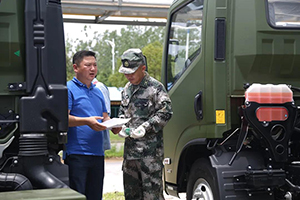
(12, 41)
(184, 39)
(284, 13)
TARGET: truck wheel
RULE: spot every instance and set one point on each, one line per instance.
(202, 183)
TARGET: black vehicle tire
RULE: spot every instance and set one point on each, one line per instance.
(202, 182)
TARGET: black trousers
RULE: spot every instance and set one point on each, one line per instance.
(86, 174)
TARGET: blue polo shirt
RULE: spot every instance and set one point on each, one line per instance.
(85, 102)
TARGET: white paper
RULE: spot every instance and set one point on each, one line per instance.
(115, 122)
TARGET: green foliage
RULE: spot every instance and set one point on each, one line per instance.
(115, 152)
(148, 39)
(69, 66)
(115, 138)
(117, 146)
(153, 53)
(117, 79)
(114, 196)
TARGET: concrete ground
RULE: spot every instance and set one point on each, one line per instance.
(113, 180)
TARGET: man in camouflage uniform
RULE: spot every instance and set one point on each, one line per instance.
(147, 103)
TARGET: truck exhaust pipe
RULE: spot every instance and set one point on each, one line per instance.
(33, 156)
(14, 182)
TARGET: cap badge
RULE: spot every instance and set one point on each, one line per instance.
(126, 64)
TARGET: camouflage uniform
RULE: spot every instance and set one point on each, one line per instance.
(149, 105)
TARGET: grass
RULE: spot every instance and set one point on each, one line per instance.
(114, 196)
(115, 138)
(115, 151)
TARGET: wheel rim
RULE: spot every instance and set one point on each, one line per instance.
(202, 190)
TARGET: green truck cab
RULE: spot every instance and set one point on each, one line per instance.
(231, 68)
(33, 101)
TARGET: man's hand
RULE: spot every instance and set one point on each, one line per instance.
(116, 130)
(138, 132)
(93, 123)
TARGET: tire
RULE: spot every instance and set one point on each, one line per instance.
(202, 183)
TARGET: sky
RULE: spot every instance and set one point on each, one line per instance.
(75, 30)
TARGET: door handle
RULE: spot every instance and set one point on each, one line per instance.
(198, 106)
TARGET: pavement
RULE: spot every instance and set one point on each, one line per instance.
(113, 179)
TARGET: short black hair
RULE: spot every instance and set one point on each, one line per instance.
(79, 55)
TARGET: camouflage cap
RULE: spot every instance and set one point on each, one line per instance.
(131, 60)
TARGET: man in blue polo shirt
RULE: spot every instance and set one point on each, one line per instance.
(84, 149)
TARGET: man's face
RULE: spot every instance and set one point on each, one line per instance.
(87, 70)
(137, 76)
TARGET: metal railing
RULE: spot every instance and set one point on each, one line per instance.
(101, 10)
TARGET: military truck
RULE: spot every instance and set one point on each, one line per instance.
(231, 68)
(33, 101)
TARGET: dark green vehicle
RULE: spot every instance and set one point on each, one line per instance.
(231, 68)
(33, 101)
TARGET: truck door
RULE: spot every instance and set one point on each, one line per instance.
(184, 68)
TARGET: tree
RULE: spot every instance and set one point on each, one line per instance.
(70, 72)
(153, 53)
(73, 46)
(129, 37)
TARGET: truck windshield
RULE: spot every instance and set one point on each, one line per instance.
(12, 40)
(184, 39)
(284, 13)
